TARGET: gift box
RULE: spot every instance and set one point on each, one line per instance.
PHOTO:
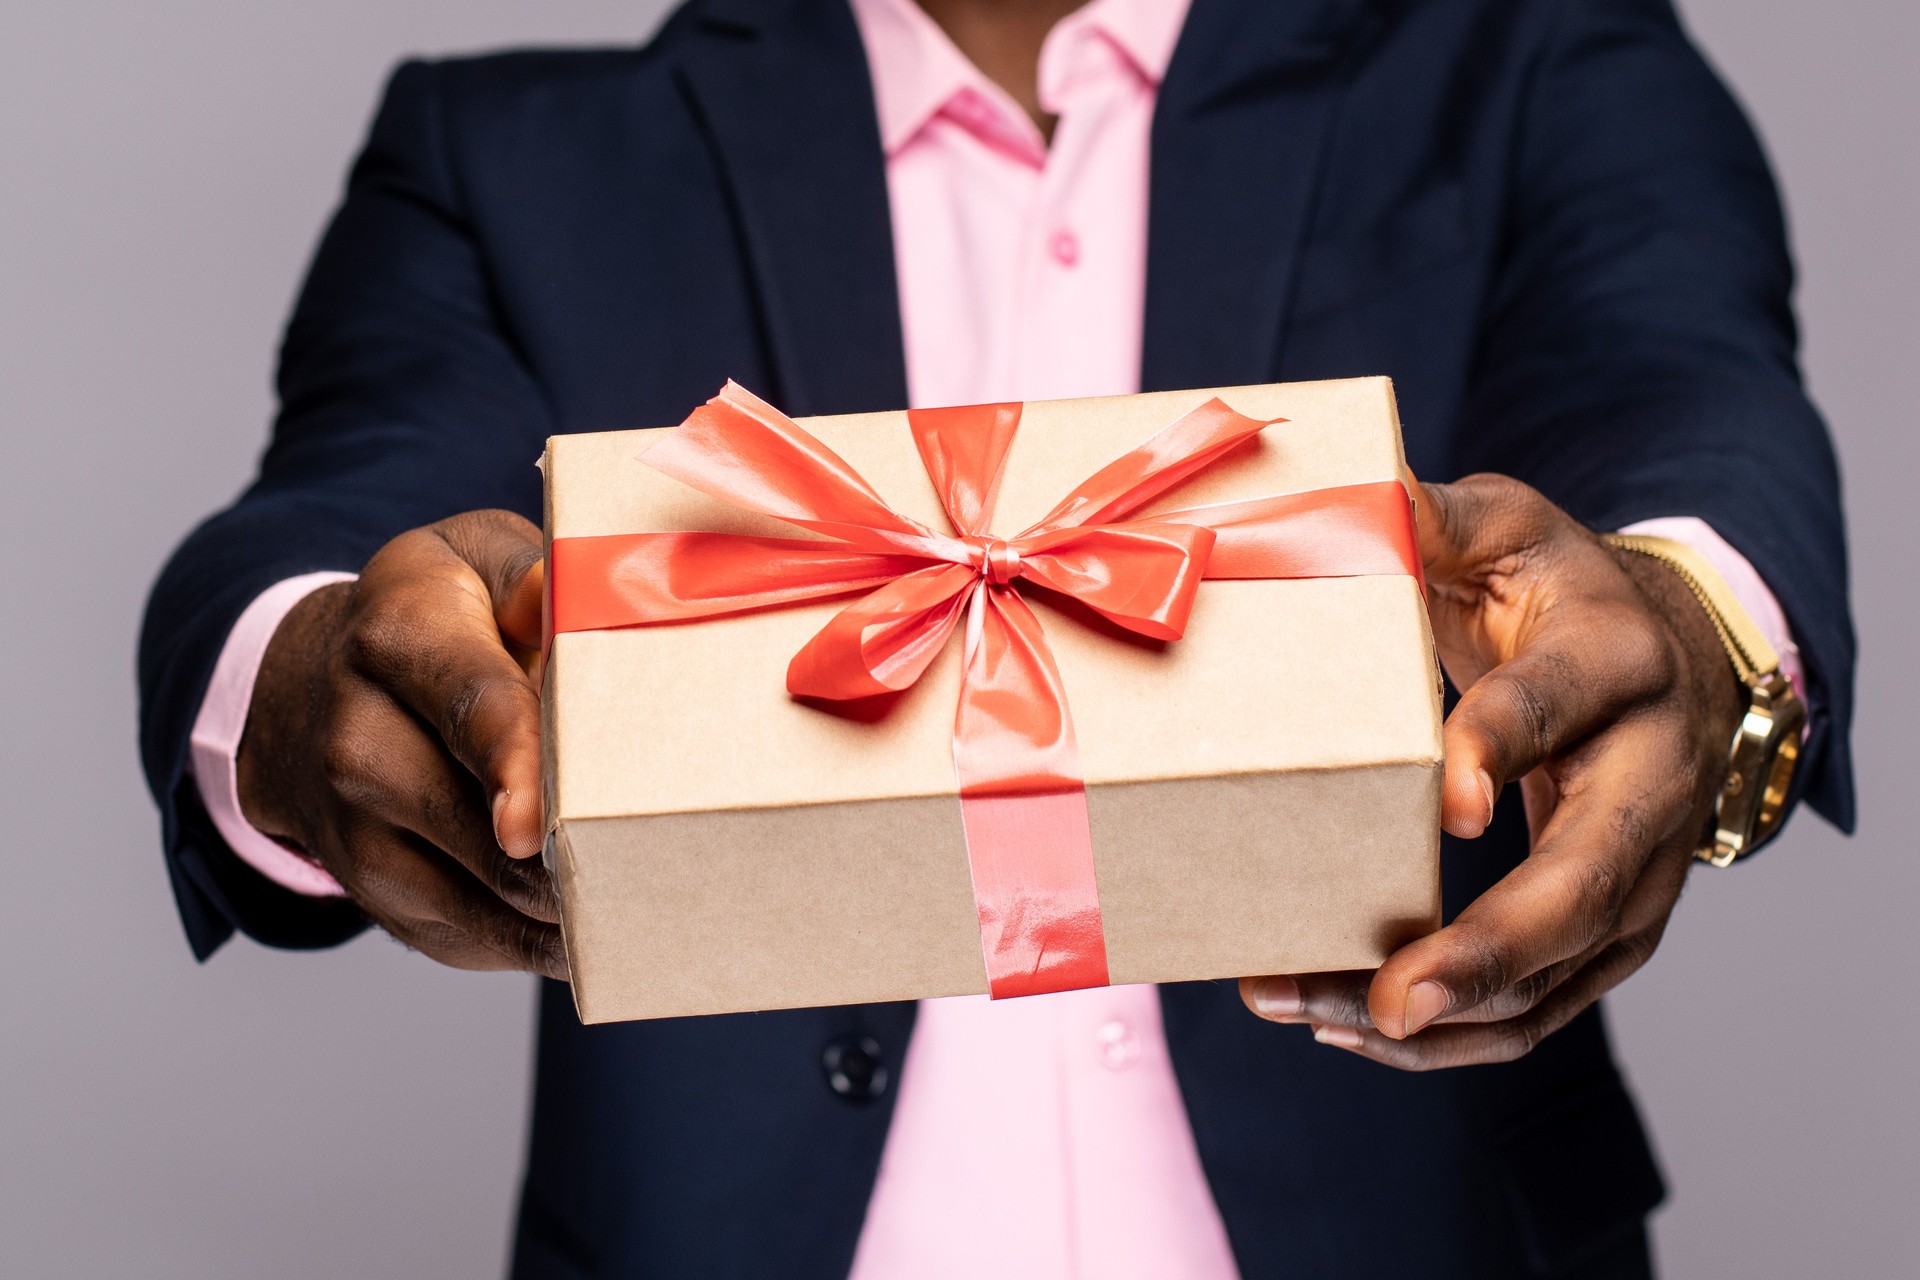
(1006, 698)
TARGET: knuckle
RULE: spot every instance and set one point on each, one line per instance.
(385, 632)
(450, 945)
(466, 713)
(1643, 654)
(498, 542)
(1495, 515)
(1633, 951)
(1600, 891)
(1651, 904)
(1520, 506)
(1530, 720)
(1488, 968)
(446, 812)
(530, 888)
(376, 882)
(349, 760)
(1513, 720)
(341, 763)
(1412, 1055)
(396, 560)
(1525, 994)
(523, 942)
(1515, 1040)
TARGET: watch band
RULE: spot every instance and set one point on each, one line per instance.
(1766, 745)
(1746, 647)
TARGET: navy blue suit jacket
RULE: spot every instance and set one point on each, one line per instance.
(1545, 219)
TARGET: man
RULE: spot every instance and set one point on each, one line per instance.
(1544, 218)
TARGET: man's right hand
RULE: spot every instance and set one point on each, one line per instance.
(394, 735)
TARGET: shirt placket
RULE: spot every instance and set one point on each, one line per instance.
(1067, 250)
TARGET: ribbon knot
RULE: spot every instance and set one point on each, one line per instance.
(1022, 793)
(997, 559)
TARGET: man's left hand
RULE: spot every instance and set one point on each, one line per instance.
(1596, 681)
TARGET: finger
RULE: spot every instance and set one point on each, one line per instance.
(1541, 795)
(1643, 917)
(1585, 667)
(1341, 999)
(430, 637)
(438, 908)
(1478, 522)
(1624, 802)
(504, 548)
(1459, 1044)
(384, 763)
(1338, 998)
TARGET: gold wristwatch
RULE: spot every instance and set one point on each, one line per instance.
(1766, 745)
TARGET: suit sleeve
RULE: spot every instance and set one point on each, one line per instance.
(1639, 352)
(402, 401)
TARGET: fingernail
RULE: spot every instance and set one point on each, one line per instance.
(500, 799)
(1277, 998)
(1338, 1037)
(1486, 789)
(1425, 1002)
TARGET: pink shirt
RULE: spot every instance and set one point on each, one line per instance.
(1032, 1138)
(1039, 1138)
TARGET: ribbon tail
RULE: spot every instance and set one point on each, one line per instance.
(1023, 802)
(1350, 531)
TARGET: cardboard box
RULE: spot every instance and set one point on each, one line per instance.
(1264, 794)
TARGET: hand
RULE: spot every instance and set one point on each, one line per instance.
(395, 736)
(1596, 681)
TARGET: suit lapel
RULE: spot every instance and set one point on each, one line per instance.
(1239, 134)
(782, 89)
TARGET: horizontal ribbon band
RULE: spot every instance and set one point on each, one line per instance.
(1022, 792)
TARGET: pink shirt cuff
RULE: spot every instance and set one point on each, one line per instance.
(1743, 578)
(223, 718)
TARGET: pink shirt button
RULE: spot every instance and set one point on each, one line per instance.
(1118, 1045)
(1065, 248)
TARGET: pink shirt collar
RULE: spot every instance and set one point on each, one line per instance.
(918, 73)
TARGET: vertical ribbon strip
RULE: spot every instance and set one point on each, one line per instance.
(1022, 792)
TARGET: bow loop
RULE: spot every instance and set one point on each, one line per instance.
(884, 641)
(1141, 574)
(964, 449)
(1169, 458)
(743, 451)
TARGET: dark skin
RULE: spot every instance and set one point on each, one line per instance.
(394, 735)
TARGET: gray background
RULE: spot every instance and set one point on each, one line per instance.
(164, 170)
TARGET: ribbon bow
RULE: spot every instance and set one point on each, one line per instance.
(1023, 796)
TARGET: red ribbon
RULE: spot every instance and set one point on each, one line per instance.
(1023, 797)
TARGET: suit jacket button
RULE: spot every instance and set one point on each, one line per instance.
(854, 1068)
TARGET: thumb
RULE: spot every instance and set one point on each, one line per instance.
(1437, 522)
(504, 549)
(518, 610)
(1468, 526)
